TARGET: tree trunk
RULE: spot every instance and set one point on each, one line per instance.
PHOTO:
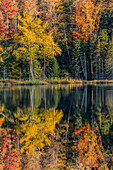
(4, 71)
(31, 68)
(96, 69)
(85, 66)
(44, 67)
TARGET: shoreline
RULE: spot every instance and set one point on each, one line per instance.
(12, 82)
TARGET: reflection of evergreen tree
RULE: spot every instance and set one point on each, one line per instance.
(77, 116)
(105, 117)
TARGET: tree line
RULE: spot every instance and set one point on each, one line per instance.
(42, 39)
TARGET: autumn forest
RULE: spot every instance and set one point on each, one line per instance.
(56, 39)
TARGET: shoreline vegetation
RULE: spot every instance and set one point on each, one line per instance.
(13, 82)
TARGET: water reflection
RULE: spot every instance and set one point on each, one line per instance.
(56, 127)
(9, 150)
(84, 97)
(89, 147)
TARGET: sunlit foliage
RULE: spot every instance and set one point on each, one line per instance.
(87, 19)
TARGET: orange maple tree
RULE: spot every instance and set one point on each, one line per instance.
(87, 18)
(7, 12)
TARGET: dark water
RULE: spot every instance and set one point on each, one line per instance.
(56, 127)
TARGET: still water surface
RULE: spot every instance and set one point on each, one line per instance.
(56, 127)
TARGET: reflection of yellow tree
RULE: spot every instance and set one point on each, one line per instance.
(35, 128)
(89, 147)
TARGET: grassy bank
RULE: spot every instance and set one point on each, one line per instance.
(81, 82)
(99, 82)
(11, 82)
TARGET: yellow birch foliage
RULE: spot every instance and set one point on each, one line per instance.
(34, 37)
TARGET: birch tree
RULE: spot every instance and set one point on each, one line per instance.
(33, 38)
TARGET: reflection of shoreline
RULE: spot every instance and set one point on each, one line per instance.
(45, 85)
(54, 95)
(65, 81)
(54, 85)
(12, 87)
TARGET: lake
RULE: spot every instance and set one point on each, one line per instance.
(56, 127)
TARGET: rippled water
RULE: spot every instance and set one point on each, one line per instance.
(56, 127)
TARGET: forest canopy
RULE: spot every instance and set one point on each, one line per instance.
(56, 39)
